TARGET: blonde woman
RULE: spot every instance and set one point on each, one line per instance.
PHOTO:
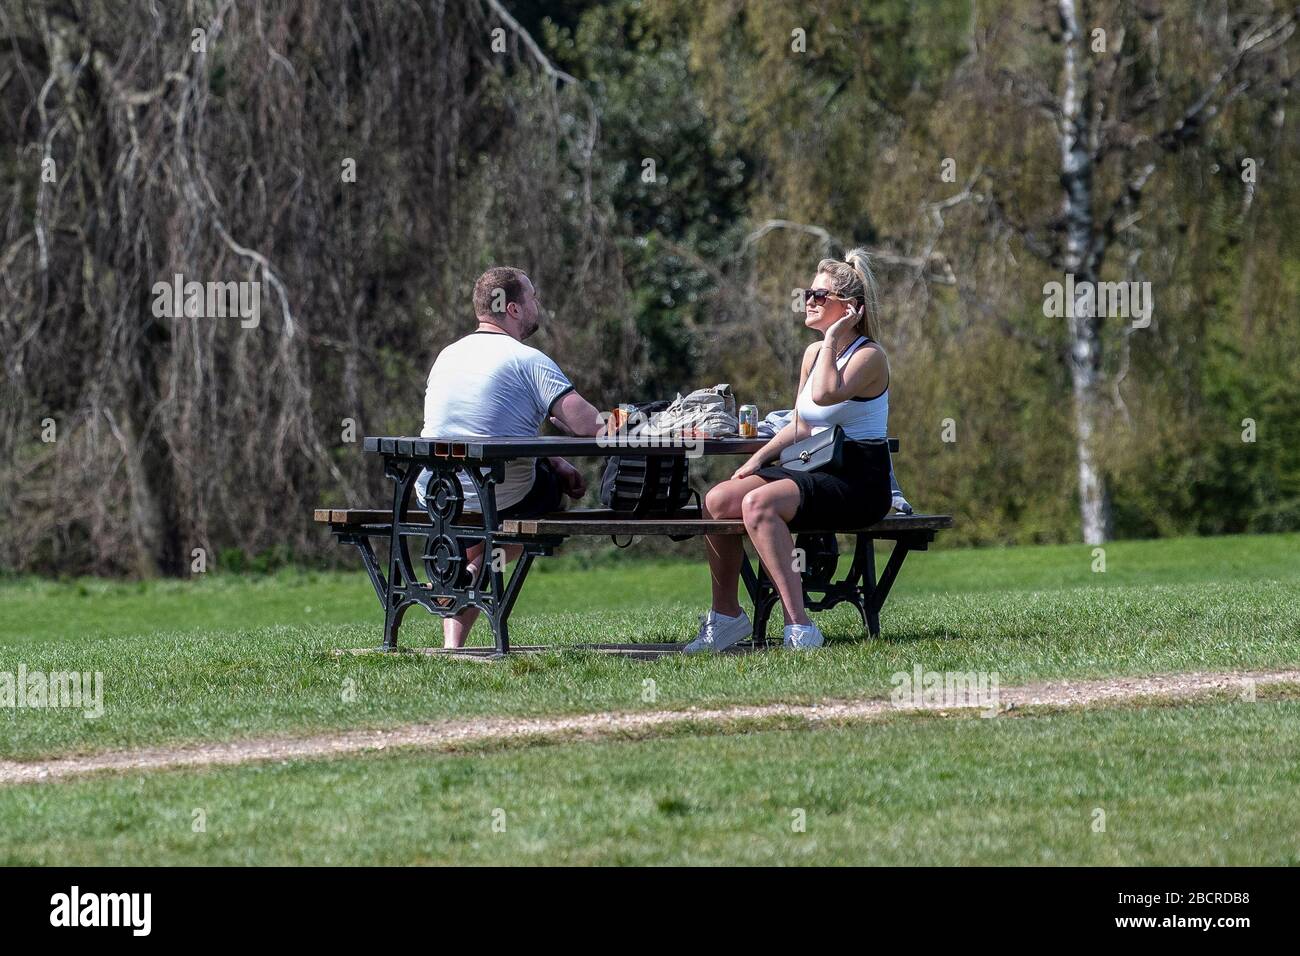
(843, 380)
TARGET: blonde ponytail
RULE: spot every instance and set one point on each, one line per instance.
(854, 279)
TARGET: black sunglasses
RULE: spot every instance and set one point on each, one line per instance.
(820, 295)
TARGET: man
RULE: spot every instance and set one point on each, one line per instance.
(490, 384)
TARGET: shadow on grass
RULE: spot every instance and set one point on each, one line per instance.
(909, 636)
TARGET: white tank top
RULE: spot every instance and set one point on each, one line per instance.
(862, 419)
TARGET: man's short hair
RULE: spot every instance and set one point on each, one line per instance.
(496, 288)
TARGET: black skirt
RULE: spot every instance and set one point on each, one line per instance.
(856, 494)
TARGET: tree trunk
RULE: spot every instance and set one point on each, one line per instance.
(155, 505)
(1082, 259)
(1094, 503)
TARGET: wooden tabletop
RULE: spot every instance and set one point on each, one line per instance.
(500, 449)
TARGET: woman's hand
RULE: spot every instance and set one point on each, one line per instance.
(748, 468)
(839, 335)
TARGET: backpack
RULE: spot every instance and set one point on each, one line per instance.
(647, 486)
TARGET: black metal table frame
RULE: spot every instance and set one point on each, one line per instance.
(448, 537)
(858, 587)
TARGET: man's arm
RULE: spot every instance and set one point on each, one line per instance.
(574, 414)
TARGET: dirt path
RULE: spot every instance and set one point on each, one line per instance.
(450, 734)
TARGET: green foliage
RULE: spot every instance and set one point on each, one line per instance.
(848, 135)
(677, 195)
(268, 561)
(1195, 465)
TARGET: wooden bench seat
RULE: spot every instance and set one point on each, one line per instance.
(602, 521)
(596, 522)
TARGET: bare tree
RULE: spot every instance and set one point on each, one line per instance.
(360, 161)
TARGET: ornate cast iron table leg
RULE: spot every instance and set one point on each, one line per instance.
(448, 537)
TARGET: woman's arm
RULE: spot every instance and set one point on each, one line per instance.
(769, 452)
(865, 373)
(786, 436)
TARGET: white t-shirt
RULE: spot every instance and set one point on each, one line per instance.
(491, 385)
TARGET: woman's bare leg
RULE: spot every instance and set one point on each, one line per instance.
(726, 552)
(767, 512)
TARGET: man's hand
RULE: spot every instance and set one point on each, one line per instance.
(571, 480)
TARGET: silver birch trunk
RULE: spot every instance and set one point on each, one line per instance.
(1081, 258)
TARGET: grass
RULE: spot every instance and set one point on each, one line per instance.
(1200, 784)
(229, 656)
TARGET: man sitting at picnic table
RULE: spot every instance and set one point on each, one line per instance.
(489, 384)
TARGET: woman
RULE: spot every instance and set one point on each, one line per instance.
(844, 380)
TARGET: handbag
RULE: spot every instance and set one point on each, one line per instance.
(823, 450)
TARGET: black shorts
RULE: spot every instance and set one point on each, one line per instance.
(856, 494)
(543, 497)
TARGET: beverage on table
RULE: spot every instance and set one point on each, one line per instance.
(748, 421)
(618, 419)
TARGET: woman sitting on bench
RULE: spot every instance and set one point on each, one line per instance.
(844, 380)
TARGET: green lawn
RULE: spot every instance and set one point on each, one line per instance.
(229, 656)
(1201, 784)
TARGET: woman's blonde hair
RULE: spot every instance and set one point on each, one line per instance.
(853, 279)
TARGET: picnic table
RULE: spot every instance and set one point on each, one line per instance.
(448, 530)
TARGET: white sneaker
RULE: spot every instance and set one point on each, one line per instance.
(718, 632)
(803, 637)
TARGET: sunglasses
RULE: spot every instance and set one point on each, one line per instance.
(820, 296)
